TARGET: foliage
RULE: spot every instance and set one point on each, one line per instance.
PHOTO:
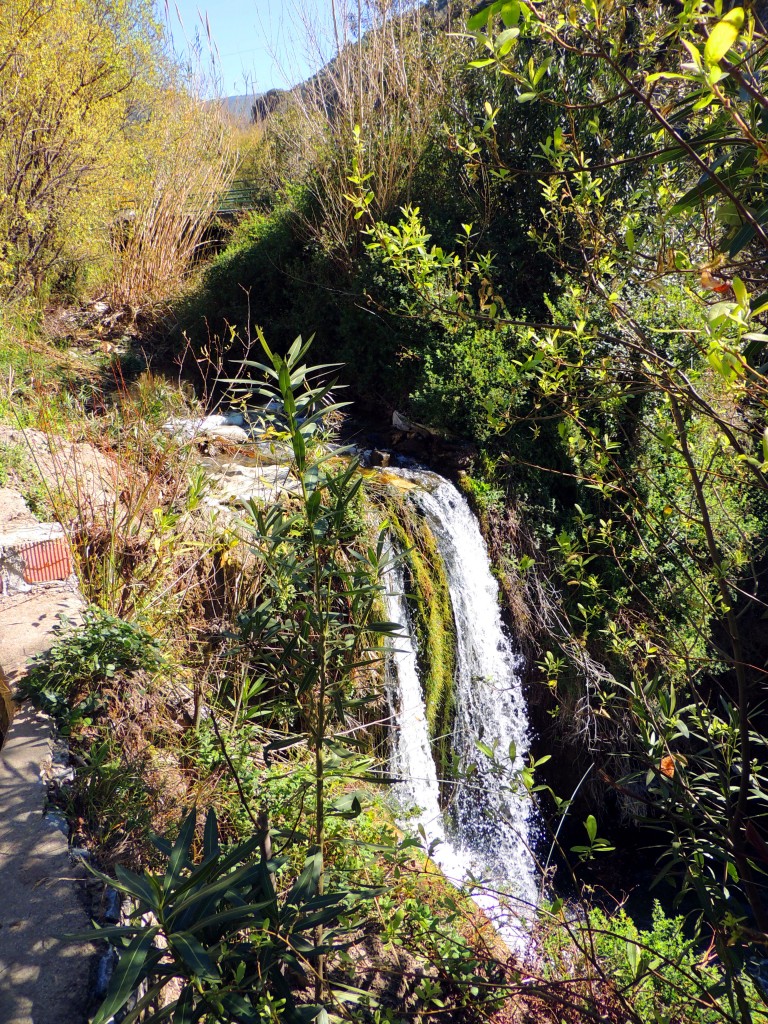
(240, 950)
(685, 409)
(658, 974)
(29, 367)
(111, 798)
(466, 979)
(311, 636)
(72, 66)
(93, 123)
(308, 649)
(65, 681)
(139, 551)
(248, 278)
(660, 438)
(182, 162)
(387, 69)
(578, 291)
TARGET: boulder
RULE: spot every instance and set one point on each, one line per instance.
(225, 432)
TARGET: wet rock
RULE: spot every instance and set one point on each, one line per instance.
(113, 906)
(205, 425)
(234, 480)
(379, 458)
(104, 971)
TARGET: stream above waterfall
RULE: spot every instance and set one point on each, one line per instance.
(485, 831)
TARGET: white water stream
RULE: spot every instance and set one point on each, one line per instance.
(485, 834)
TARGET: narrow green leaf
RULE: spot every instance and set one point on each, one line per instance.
(240, 1010)
(747, 231)
(127, 974)
(211, 837)
(310, 1015)
(140, 1010)
(184, 1012)
(180, 852)
(484, 748)
(194, 956)
(233, 918)
(306, 884)
(299, 448)
(284, 744)
(387, 628)
(633, 956)
(142, 887)
(347, 806)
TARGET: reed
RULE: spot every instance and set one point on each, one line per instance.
(159, 234)
(387, 69)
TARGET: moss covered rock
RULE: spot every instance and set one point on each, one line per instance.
(430, 603)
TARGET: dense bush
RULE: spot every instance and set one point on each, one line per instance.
(657, 975)
(65, 681)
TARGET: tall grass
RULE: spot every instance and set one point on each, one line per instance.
(157, 238)
(386, 67)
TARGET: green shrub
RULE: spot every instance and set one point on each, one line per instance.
(657, 974)
(241, 950)
(65, 681)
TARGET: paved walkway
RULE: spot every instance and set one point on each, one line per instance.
(42, 893)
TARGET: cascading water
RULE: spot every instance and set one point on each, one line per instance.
(487, 836)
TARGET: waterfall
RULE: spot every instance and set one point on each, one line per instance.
(486, 835)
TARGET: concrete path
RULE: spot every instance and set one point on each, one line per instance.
(42, 893)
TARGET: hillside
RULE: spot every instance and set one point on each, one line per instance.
(413, 522)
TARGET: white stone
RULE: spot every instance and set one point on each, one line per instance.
(189, 428)
(226, 432)
(30, 535)
(235, 482)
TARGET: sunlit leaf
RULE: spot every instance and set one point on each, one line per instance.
(723, 35)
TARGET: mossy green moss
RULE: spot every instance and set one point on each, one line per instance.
(430, 602)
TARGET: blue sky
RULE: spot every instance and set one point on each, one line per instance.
(260, 43)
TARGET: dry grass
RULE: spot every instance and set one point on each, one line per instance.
(192, 163)
(385, 68)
